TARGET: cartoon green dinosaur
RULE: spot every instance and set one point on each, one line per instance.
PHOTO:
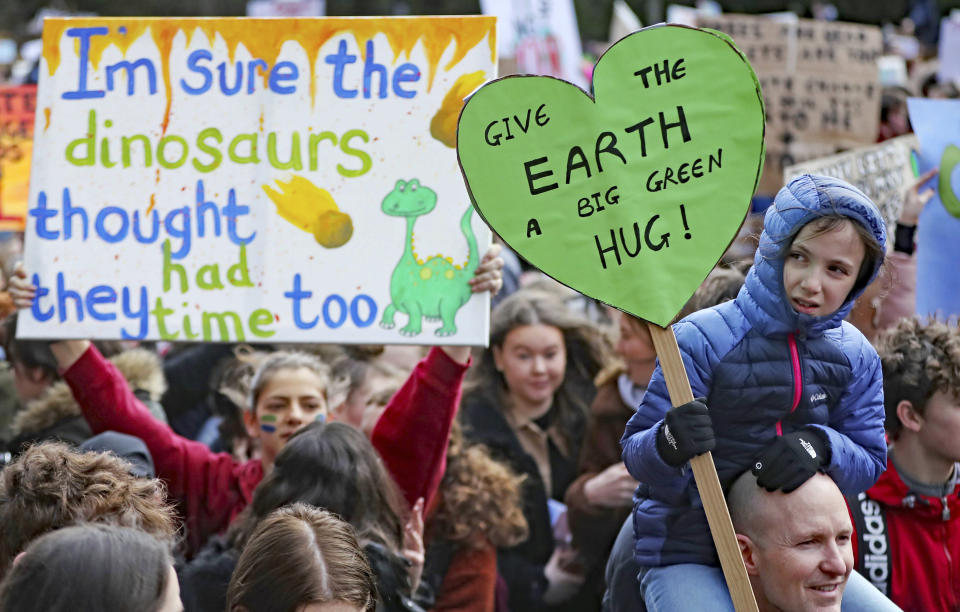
(432, 289)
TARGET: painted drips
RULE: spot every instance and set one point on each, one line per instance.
(264, 39)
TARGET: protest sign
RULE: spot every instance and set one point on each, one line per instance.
(937, 126)
(820, 84)
(17, 106)
(601, 194)
(245, 179)
(631, 196)
(881, 171)
(542, 37)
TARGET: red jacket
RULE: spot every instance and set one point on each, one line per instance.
(213, 488)
(918, 562)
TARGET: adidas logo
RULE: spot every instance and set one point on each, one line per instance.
(808, 447)
(818, 397)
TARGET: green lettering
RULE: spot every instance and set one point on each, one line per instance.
(213, 152)
(239, 274)
(294, 162)
(365, 161)
(161, 147)
(169, 268)
(88, 141)
(213, 271)
(125, 153)
(315, 140)
(251, 157)
(259, 318)
(160, 313)
(222, 325)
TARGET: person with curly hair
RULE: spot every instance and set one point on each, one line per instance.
(479, 509)
(51, 486)
(908, 523)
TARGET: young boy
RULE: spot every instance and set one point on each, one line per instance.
(908, 523)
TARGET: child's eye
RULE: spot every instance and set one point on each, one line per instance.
(795, 255)
(839, 270)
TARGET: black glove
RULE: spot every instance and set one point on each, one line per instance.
(791, 460)
(687, 431)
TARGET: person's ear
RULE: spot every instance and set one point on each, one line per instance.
(748, 553)
(909, 417)
(498, 358)
(252, 423)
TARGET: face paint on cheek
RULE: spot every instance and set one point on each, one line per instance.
(320, 418)
(268, 423)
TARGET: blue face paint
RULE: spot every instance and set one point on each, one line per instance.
(320, 418)
(268, 428)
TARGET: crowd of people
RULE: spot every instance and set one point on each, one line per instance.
(548, 472)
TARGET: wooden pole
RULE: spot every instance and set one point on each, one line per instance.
(705, 474)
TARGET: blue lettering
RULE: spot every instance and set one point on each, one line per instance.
(42, 213)
(252, 72)
(290, 73)
(63, 294)
(182, 232)
(129, 68)
(339, 61)
(155, 227)
(370, 67)
(355, 310)
(203, 206)
(101, 224)
(295, 296)
(84, 35)
(341, 303)
(231, 211)
(406, 73)
(222, 68)
(101, 294)
(38, 313)
(193, 62)
(68, 213)
(141, 314)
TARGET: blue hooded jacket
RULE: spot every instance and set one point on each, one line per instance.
(765, 370)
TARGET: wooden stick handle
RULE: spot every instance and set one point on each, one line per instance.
(705, 474)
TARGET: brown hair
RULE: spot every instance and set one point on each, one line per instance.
(89, 567)
(587, 349)
(301, 555)
(919, 359)
(51, 486)
(479, 497)
(873, 252)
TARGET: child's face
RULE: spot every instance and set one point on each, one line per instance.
(636, 348)
(289, 400)
(820, 271)
(533, 359)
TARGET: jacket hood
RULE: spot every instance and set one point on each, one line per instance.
(140, 367)
(805, 198)
(891, 491)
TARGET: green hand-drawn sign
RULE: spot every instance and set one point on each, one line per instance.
(631, 197)
(948, 165)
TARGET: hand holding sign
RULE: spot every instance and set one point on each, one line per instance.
(632, 197)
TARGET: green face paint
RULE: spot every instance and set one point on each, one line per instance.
(268, 418)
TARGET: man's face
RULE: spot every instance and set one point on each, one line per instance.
(803, 554)
(941, 426)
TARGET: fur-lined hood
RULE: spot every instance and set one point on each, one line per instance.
(141, 368)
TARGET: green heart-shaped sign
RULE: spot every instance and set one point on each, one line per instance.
(632, 197)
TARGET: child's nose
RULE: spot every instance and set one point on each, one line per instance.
(811, 282)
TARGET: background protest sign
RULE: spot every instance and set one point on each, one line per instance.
(541, 37)
(244, 179)
(881, 171)
(630, 197)
(937, 126)
(820, 84)
(631, 204)
(17, 106)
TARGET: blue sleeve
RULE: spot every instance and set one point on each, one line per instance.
(639, 440)
(855, 432)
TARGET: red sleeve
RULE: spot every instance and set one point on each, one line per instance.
(411, 435)
(206, 483)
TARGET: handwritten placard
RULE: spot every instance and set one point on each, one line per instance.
(820, 84)
(882, 171)
(17, 106)
(631, 197)
(256, 179)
